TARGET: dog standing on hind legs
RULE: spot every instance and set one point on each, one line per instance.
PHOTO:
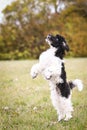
(51, 65)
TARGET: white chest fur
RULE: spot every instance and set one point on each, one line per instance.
(48, 59)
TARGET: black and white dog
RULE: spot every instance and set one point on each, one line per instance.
(51, 65)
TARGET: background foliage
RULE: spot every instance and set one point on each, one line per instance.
(26, 24)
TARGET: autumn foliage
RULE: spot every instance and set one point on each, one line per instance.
(26, 24)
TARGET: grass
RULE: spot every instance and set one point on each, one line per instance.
(25, 103)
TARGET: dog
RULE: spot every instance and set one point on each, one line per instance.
(51, 66)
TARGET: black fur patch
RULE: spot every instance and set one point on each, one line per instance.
(60, 53)
(71, 84)
(63, 73)
(59, 42)
(64, 87)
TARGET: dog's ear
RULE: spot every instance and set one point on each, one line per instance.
(65, 45)
(62, 40)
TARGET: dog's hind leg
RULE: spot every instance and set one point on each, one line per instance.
(68, 116)
(61, 115)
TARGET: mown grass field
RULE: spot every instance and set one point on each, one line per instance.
(25, 103)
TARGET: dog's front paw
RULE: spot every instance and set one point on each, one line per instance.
(48, 77)
(34, 71)
(33, 74)
(48, 74)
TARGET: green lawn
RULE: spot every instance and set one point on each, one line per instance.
(25, 103)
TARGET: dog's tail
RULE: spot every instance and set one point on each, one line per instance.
(76, 83)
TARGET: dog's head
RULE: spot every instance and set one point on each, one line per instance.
(59, 43)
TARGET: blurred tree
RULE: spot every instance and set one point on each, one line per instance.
(27, 23)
